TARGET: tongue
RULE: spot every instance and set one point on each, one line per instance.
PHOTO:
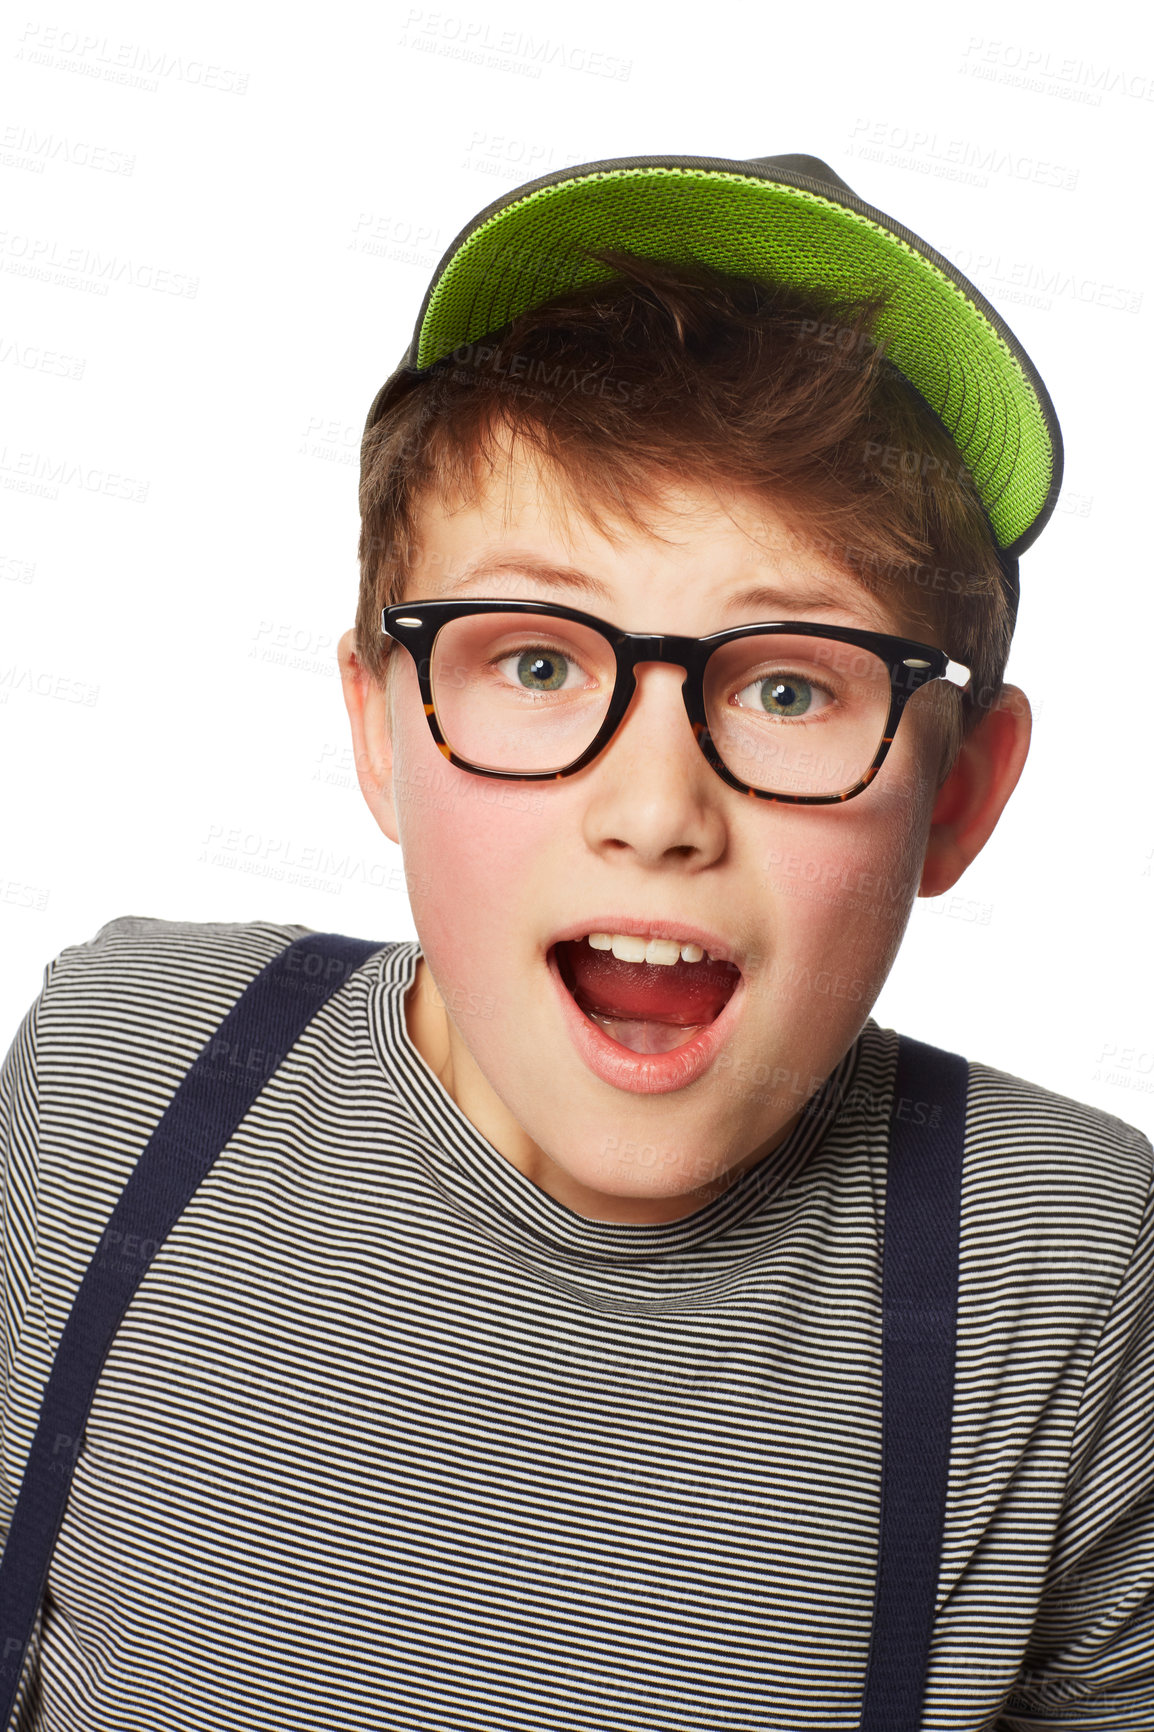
(685, 994)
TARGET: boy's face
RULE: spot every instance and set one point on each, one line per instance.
(810, 901)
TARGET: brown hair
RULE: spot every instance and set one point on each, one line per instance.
(666, 371)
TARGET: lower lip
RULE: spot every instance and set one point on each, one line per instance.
(644, 1073)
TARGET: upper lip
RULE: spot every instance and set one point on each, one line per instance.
(681, 931)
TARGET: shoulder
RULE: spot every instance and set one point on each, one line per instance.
(145, 994)
(1052, 1187)
(1055, 1188)
(1021, 1132)
(134, 951)
(1025, 1133)
(122, 1017)
(118, 1023)
(1060, 1186)
(92, 1067)
(138, 1002)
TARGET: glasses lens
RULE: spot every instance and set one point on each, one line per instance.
(796, 715)
(520, 692)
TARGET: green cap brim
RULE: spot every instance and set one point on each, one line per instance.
(789, 220)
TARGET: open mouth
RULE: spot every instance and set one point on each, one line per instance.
(646, 1007)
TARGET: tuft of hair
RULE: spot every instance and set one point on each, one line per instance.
(624, 388)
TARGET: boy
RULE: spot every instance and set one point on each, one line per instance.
(520, 1361)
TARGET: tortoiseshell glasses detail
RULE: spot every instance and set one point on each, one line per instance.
(788, 710)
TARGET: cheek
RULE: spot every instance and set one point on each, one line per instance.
(842, 881)
(472, 848)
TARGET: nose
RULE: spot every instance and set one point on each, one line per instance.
(656, 719)
(652, 793)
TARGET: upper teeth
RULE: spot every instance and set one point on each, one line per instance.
(626, 947)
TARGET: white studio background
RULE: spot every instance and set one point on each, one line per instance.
(218, 225)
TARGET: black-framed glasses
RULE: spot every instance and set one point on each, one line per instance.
(530, 691)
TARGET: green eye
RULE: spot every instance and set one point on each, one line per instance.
(788, 697)
(785, 697)
(542, 670)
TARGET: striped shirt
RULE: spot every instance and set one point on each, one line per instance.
(389, 1438)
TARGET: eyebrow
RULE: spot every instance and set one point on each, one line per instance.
(762, 599)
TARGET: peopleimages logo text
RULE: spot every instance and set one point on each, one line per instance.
(956, 158)
(474, 38)
(123, 62)
(1031, 63)
(39, 253)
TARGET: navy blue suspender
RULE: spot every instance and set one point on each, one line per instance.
(919, 1305)
(919, 1327)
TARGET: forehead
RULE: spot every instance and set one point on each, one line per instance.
(721, 553)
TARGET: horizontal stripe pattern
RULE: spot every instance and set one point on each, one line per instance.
(390, 1439)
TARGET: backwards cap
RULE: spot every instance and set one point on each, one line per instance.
(784, 219)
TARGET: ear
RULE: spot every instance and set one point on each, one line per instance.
(973, 795)
(368, 709)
